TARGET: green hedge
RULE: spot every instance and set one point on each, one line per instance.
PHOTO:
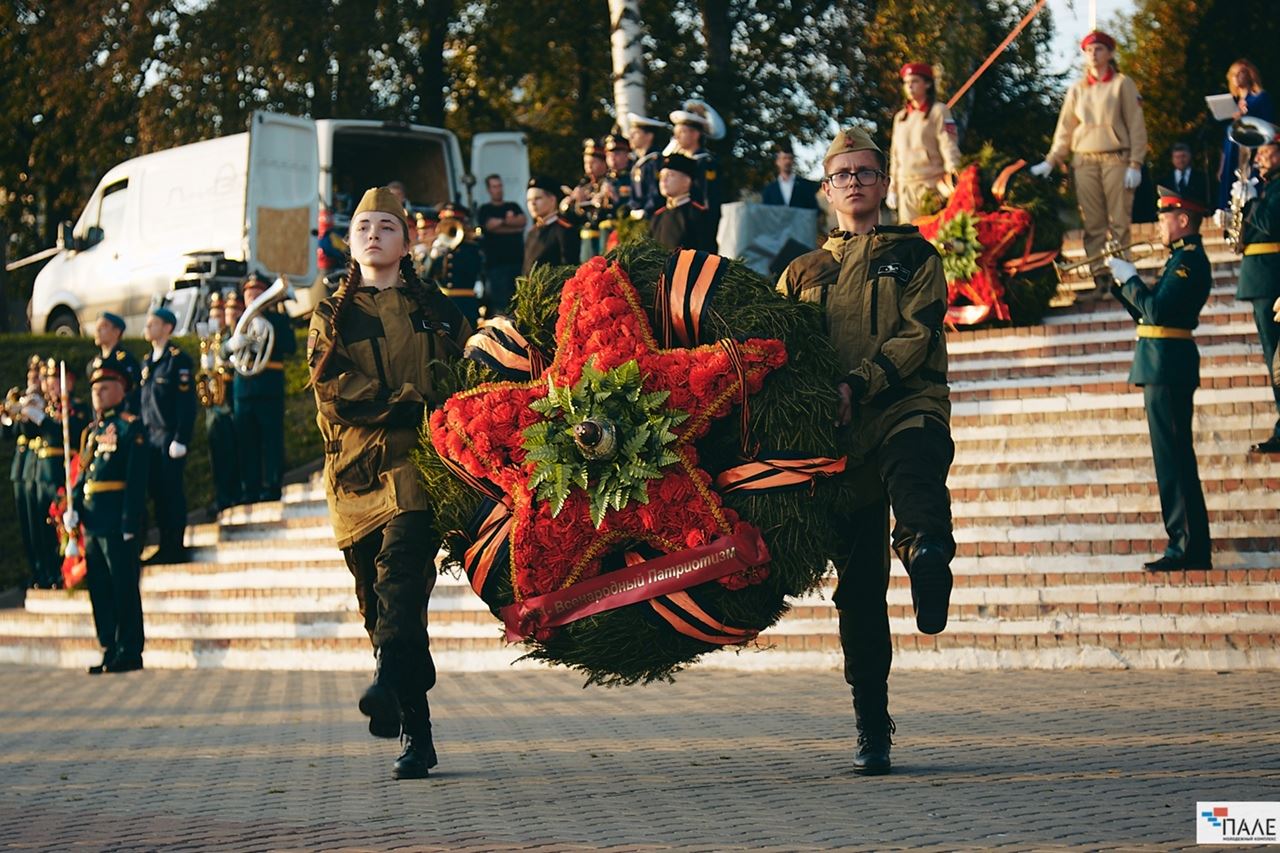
(302, 439)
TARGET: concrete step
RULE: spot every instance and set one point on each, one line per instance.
(1080, 409)
(1247, 357)
(1212, 377)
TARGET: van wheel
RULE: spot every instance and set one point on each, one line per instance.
(64, 324)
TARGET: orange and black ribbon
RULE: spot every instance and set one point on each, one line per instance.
(779, 471)
(685, 289)
(685, 613)
(500, 345)
(490, 532)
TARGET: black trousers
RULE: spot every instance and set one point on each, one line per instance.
(259, 425)
(221, 431)
(394, 570)
(46, 543)
(1269, 335)
(914, 463)
(166, 490)
(22, 503)
(112, 576)
(1169, 409)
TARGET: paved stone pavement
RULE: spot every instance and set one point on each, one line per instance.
(195, 760)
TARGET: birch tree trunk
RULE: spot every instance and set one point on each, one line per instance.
(628, 58)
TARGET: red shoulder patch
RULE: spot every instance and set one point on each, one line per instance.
(659, 212)
(564, 224)
(698, 206)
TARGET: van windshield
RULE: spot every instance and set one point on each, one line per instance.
(373, 157)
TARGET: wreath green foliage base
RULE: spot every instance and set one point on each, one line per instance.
(793, 411)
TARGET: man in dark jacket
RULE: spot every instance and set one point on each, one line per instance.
(168, 403)
(789, 189)
(552, 240)
(1183, 178)
(1166, 365)
(1260, 267)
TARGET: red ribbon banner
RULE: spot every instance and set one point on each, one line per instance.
(640, 582)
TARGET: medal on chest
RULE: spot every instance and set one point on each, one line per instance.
(107, 442)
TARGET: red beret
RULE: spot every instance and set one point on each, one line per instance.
(919, 69)
(1099, 37)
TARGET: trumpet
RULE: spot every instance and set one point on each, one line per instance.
(1135, 251)
(1248, 133)
(449, 236)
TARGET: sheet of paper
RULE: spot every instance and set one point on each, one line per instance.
(1223, 106)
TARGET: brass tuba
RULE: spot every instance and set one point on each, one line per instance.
(1247, 132)
(255, 337)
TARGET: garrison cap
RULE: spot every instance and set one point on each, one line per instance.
(850, 139)
(381, 200)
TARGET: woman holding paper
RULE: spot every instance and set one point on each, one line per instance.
(1245, 85)
(1102, 130)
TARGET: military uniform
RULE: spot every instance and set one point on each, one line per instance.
(646, 197)
(168, 403)
(22, 431)
(706, 186)
(1260, 279)
(258, 415)
(218, 402)
(551, 241)
(50, 477)
(683, 224)
(124, 362)
(924, 148)
(589, 217)
(1166, 364)
(461, 269)
(373, 355)
(109, 497)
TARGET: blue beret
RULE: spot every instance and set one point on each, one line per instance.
(166, 315)
(114, 319)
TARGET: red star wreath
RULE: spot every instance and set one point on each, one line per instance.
(602, 328)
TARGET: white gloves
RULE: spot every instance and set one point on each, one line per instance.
(128, 537)
(34, 414)
(891, 200)
(1121, 269)
(1041, 169)
(70, 519)
(1275, 309)
(1244, 191)
(236, 342)
(1132, 178)
(177, 450)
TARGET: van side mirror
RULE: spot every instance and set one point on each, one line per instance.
(66, 240)
(93, 237)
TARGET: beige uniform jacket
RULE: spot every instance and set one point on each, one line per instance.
(886, 299)
(372, 397)
(923, 147)
(1101, 118)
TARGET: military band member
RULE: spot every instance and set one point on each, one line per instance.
(18, 426)
(617, 185)
(217, 400)
(259, 407)
(168, 402)
(109, 498)
(373, 348)
(460, 269)
(1102, 130)
(588, 205)
(924, 150)
(646, 148)
(691, 128)
(1260, 267)
(682, 223)
(1166, 365)
(107, 334)
(49, 471)
(885, 297)
(552, 240)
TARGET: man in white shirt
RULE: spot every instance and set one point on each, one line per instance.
(1190, 182)
(788, 189)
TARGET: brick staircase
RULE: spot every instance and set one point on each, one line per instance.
(1054, 499)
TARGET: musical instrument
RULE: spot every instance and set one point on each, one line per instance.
(1145, 249)
(450, 234)
(254, 336)
(212, 377)
(1247, 132)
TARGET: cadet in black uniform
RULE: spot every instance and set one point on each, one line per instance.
(1260, 267)
(109, 497)
(107, 334)
(588, 205)
(259, 407)
(691, 129)
(1166, 364)
(168, 402)
(50, 473)
(552, 240)
(642, 132)
(682, 223)
(18, 426)
(617, 154)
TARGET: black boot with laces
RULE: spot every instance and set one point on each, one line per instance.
(875, 730)
(419, 754)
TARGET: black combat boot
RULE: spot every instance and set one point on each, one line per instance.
(380, 702)
(875, 730)
(419, 754)
(929, 567)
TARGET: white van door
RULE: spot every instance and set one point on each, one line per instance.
(100, 273)
(281, 197)
(506, 154)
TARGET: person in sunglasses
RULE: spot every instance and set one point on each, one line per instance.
(885, 298)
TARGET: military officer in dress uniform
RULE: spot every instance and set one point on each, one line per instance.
(107, 334)
(682, 223)
(49, 473)
(588, 204)
(258, 407)
(109, 497)
(1260, 267)
(168, 401)
(552, 240)
(1166, 364)
(646, 196)
(19, 427)
(460, 269)
(691, 128)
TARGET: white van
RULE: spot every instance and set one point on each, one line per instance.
(171, 224)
